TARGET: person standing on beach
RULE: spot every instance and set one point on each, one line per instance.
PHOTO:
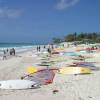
(4, 55)
(44, 46)
(13, 51)
(52, 46)
(49, 51)
(39, 48)
(7, 50)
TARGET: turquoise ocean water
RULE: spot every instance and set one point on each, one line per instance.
(18, 46)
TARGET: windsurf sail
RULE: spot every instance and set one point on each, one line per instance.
(42, 77)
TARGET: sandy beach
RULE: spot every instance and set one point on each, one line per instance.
(70, 87)
(49, 49)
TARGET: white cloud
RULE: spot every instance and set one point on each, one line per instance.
(64, 4)
(9, 13)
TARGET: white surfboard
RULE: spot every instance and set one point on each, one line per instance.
(17, 84)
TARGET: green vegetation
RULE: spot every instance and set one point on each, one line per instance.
(83, 37)
(57, 40)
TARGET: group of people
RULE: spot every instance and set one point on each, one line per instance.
(8, 52)
(49, 48)
(38, 48)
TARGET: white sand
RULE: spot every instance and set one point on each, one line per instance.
(70, 87)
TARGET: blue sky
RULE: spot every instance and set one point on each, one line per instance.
(41, 20)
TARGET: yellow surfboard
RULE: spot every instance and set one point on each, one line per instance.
(31, 70)
(74, 70)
